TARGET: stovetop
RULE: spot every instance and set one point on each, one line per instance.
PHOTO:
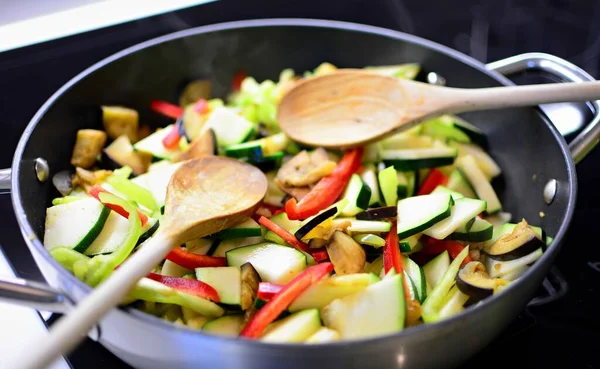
(560, 327)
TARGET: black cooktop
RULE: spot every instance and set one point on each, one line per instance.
(560, 327)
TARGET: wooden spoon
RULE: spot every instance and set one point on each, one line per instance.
(351, 108)
(204, 196)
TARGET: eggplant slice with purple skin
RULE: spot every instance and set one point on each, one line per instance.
(378, 213)
(303, 231)
(473, 280)
(522, 241)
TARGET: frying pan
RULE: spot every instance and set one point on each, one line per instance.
(538, 176)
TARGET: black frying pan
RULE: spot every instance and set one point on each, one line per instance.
(538, 176)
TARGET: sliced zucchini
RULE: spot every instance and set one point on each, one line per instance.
(464, 209)
(485, 162)
(475, 134)
(370, 240)
(358, 195)
(294, 328)
(266, 146)
(153, 144)
(402, 141)
(500, 269)
(377, 310)
(412, 182)
(247, 228)
(229, 127)
(364, 226)
(370, 179)
(323, 335)
(408, 244)
(227, 325)
(114, 232)
(455, 194)
(226, 280)
(443, 128)
(274, 196)
(157, 180)
(436, 267)
(455, 301)
(235, 243)
(430, 310)
(74, 224)
(418, 213)
(388, 185)
(416, 275)
(329, 289)
(274, 263)
(479, 182)
(402, 189)
(458, 183)
(478, 231)
(413, 159)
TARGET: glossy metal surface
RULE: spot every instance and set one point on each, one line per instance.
(264, 47)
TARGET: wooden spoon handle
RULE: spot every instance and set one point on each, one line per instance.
(463, 100)
(72, 328)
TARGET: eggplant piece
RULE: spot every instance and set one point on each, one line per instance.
(120, 153)
(87, 178)
(346, 255)
(318, 219)
(522, 241)
(249, 286)
(88, 145)
(378, 213)
(62, 181)
(205, 144)
(119, 120)
(473, 280)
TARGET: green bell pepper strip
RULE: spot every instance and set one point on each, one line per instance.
(67, 257)
(101, 266)
(433, 303)
(150, 290)
(131, 190)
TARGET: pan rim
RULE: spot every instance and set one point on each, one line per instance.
(32, 240)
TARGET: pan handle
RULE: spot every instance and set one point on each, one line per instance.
(35, 295)
(587, 139)
(5, 175)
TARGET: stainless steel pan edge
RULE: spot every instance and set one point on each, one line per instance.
(179, 352)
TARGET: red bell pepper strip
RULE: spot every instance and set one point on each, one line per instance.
(267, 290)
(95, 192)
(171, 140)
(327, 190)
(201, 106)
(431, 246)
(187, 285)
(282, 299)
(165, 108)
(192, 261)
(318, 255)
(283, 233)
(392, 258)
(434, 178)
(238, 78)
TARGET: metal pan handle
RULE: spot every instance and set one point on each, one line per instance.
(587, 139)
(5, 180)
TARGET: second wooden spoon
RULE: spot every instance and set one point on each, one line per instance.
(351, 108)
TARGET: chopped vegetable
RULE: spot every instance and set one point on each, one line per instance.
(284, 298)
(96, 191)
(166, 109)
(191, 286)
(327, 190)
(190, 260)
(88, 146)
